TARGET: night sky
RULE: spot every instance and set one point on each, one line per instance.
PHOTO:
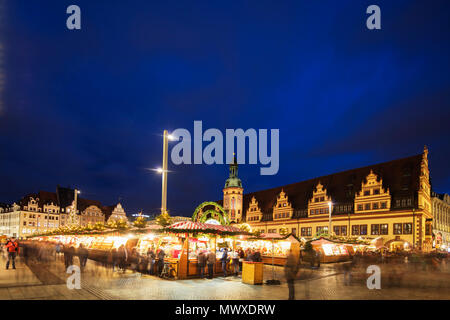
(87, 108)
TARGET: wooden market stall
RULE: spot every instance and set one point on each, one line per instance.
(196, 237)
(332, 251)
(273, 247)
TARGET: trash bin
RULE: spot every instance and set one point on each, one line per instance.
(252, 272)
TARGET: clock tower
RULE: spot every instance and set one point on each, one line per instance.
(233, 194)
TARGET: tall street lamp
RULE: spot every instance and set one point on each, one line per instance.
(164, 169)
(329, 218)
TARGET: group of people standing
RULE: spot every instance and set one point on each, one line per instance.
(232, 258)
(122, 258)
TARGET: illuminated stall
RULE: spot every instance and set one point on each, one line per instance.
(195, 237)
(274, 248)
(331, 251)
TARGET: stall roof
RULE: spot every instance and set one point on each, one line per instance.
(189, 226)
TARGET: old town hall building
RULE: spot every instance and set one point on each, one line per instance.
(391, 200)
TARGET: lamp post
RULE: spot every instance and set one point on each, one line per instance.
(329, 218)
(163, 171)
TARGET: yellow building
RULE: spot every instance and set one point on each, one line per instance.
(390, 200)
(441, 220)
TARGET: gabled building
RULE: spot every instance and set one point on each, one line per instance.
(43, 211)
(391, 200)
(115, 213)
(441, 219)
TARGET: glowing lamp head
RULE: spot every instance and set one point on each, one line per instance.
(159, 170)
(171, 137)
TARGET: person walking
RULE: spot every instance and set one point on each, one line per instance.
(257, 256)
(241, 258)
(114, 259)
(82, 255)
(224, 261)
(58, 249)
(12, 247)
(235, 262)
(290, 270)
(201, 258)
(69, 252)
(151, 256)
(161, 255)
(211, 260)
(122, 256)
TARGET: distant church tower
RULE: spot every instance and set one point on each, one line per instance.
(232, 194)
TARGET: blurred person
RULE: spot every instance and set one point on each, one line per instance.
(211, 260)
(250, 256)
(69, 252)
(151, 256)
(235, 262)
(347, 268)
(12, 247)
(114, 259)
(290, 270)
(161, 255)
(134, 259)
(241, 258)
(82, 255)
(257, 256)
(201, 259)
(224, 260)
(122, 256)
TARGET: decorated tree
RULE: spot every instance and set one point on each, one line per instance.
(98, 226)
(244, 227)
(122, 224)
(164, 219)
(140, 222)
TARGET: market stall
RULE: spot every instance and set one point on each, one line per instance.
(196, 237)
(273, 247)
(331, 251)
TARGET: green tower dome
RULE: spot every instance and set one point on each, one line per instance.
(233, 180)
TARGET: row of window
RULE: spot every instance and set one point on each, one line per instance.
(319, 199)
(361, 230)
(372, 206)
(282, 215)
(255, 218)
(374, 191)
(403, 202)
(293, 230)
(319, 211)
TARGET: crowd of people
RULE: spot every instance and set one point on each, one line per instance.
(394, 265)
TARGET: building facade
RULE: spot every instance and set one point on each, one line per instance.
(441, 219)
(45, 211)
(391, 200)
(233, 194)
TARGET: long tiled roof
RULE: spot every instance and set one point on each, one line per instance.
(400, 176)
